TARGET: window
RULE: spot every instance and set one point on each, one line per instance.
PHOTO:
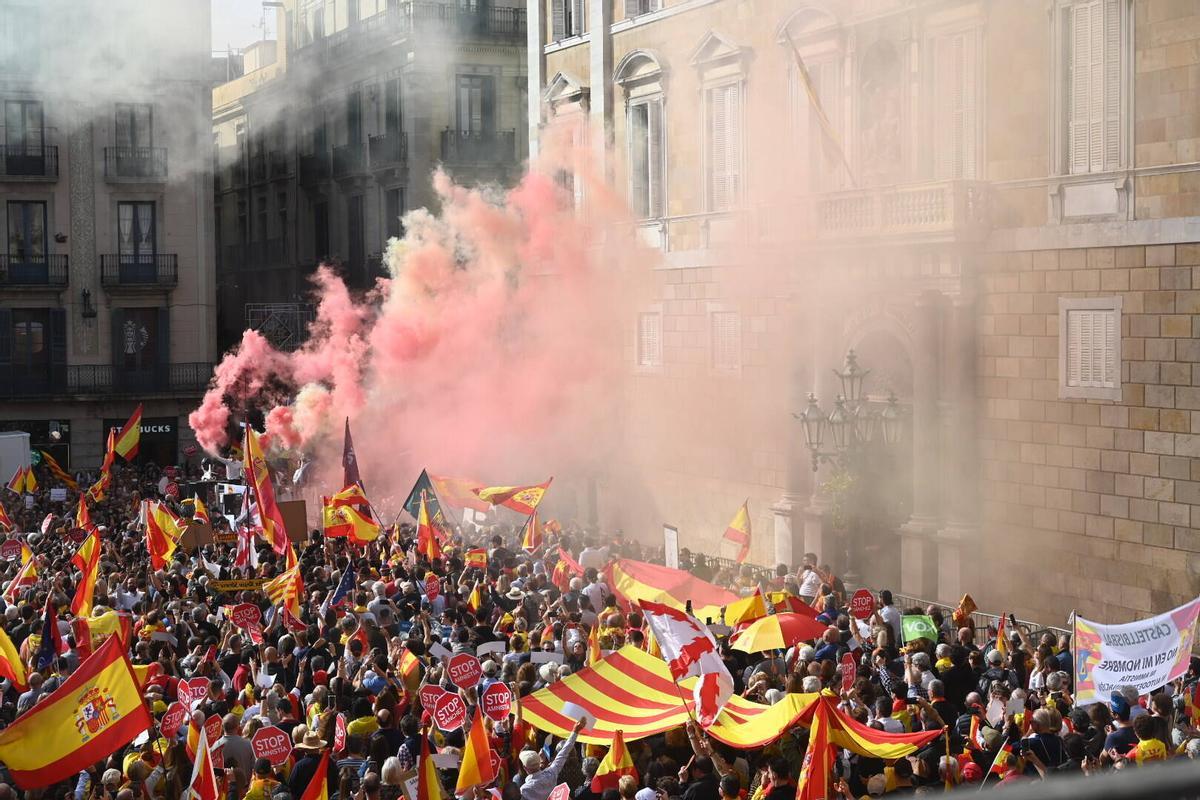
(393, 209)
(356, 236)
(135, 231)
(354, 118)
(27, 232)
(569, 18)
(24, 129)
(646, 158)
(261, 213)
(649, 339)
(723, 112)
(954, 119)
(635, 7)
(1092, 44)
(320, 230)
(135, 125)
(30, 342)
(476, 104)
(1089, 347)
(726, 333)
(391, 107)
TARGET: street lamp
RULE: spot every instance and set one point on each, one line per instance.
(852, 423)
(813, 420)
(890, 417)
(851, 377)
(839, 424)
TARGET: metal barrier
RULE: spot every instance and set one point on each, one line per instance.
(1167, 781)
(982, 621)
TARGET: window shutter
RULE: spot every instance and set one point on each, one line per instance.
(559, 24)
(1078, 104)
(1074, 349)
(118, 338)
(639, 188)
(58, 349)
(733, 139)
(726, 340)
(654, 155)
(1110, 361)
(577, 17)
(948, 97)
(649, 342)
(1095, 69)
(718, 166)
(1112, 84)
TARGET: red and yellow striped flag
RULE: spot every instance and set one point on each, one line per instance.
(531, 535)
(94, 713)
(475, 600)
(814, 783)
(476, 558)
(427, 538)
(199, 510)
(349, 522)
(17, 482)
(129, 438)
(747, 609)
(616, 762)
(203, 785)
(27, 575)
(519, 498)
(410, 670)
(738, 531)
(594, 653)
(163, 531)
(87, 559)
(98, 490)
(5, 520)
(83, 515)
(258, 476)
(476, 768)
(57, 471)
(11, 666)
(285, 589)
(318, 784)
(429, 786)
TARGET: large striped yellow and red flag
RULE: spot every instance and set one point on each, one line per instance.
(255, 464)
(11, 666)
(814, 782)
(519, 498)
(531, 535)
(616, 763)
(428, 544)
(476, 768)
(429, 786)
(163, 532)
(57, 471)
(203, 785)
(318, 784)
(285, 589)
(738, 531)
(87, 559)
(129, 438)
(349, 522)
(94, 713)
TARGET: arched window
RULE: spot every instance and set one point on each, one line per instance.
(814, 43)
(641, 76)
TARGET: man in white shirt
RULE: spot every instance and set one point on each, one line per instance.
(596, 590)
(593, 557)
(890, 614)
(810, 583)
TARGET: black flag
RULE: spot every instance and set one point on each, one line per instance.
(350, 474)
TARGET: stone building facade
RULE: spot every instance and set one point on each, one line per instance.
(1008, 246)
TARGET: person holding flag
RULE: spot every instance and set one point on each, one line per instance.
(540, 777)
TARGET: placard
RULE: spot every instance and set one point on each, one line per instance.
(450, 712)
(491, 647)
(542, 657)
(446, 760)
(430, 694)
(58, 494)
(244, 585)
(433, 586)
(272, 744)
(862, 604)
(497, 701)
(671, 546)
(10, 550)
(245, 614)
(172, 720)
(849, 672)
(192, 690)
(573, 711)
(465, 670)
(339, 733)
(438, 650)
(214, 728)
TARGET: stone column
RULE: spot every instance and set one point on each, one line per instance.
(81, 184)
(818, 532)
(918, 555)
(600, 95)
(535, 18)
(962, 480)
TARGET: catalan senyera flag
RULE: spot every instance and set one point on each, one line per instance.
(349, 522)
(96, 711)
(127, 440)
(285, 589)
(57, 471)
(318, 784)
(476, 558)
(633, 581)
(258, 476)
(531, 534)
(833, 143)
(814, 782)
(199, 510)
(17, 482)
(616, 763)
(163, 531)
(519, 498)
(738, 531)
(6, 522)
(11, 666)
(962, 614)
(476, 768)
(747, 609)
(87, 559)
(98, 490)
(429, 786)
(203, 785)
(428, 544)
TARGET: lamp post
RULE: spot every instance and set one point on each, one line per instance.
(853, 425)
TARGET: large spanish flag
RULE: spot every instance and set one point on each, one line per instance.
(519, 498)
(633, 581)
(318, 784)
(163, 531)
(11, 666)
(87, 559)
(347, 521)
(428, 543)
(616, 764)
(458, 492)
(258, 476)
(429, 785)
(95, 712)
(203, 785)
(476, 768)
(814, 783)
(130, 436)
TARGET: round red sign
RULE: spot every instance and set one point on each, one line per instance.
(172, 720)
(214, 728)
(192, 690)
(450, 712)
(862, 604)
(10, 550)
(272, 744)
(339, 733)
(465, 670)
(430, 694)
(245, 614)
(560, 792)
(849, 672)
(497, 701)
(433, 587)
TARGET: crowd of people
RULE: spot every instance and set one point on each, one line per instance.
(1007, 706)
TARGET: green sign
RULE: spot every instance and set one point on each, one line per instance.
(918, 626)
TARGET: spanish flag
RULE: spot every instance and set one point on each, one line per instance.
(258, 476)
(57, 471)
(747, 609)
(318, 784)
(429, 786)
(27, 575)
(347, 521)
(83, 516)
(594, 653)
(1002, 635)
(427, 538)
(476, 559)
(87, 559)
(476, 768)
(203, 785)
(95, 712)
(5, 521)
(99, 489)
(163, 531)
(199, 510)
(410, 670)
(531, 535)
(738, 531)
(519, 498)
(352, 495)
(475, 600)
(616, 763)
(458, 492)
(129, 437)
(90, 632)
(814, 783)
(11, 666)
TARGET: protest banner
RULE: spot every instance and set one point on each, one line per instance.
(244, 585)
(1145, 654)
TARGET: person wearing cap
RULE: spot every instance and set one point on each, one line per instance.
(1122, 737)
(540, 780)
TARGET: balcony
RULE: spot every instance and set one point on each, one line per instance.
(314, 169)
(388, 150)
(33, 271)
(941, 209)
(349, 160)
(418, 17)
(105, 379)
(156, 270)
(135, 163)
(29, 162)
(471, 147)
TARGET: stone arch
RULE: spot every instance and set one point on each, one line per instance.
(638, 66)
(811, 19)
